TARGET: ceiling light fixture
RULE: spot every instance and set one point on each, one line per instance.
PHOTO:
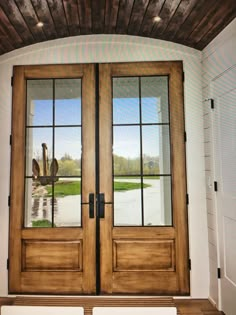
(157, 19)
(40, 24)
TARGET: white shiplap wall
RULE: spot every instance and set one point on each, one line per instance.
(218, 60)
(119, 48)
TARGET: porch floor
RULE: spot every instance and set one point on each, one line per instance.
(184, 306)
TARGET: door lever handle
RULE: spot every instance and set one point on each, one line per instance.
(91, 206)
(101, 205)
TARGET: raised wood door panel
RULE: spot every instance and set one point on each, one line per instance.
(55, 260)
(144, 259)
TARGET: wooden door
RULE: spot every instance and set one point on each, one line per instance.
(53, 112)
(132, 235)
(143, 231)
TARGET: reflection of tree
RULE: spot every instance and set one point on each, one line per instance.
(123, 166)
(69, 166)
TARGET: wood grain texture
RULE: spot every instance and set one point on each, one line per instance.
(184, 306)
(85, 16)
(54, 255)
(26, 9)
(128, 250)
(136, 18)
(124, 14)
(179, 183)
(188, 22)
(153, 9)
(50, 260)
(168, 10)
(58, 14)
(72, 16)
(17, 177)
(143, 255)
(44, 15)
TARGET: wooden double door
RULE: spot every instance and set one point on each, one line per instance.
(98, 182)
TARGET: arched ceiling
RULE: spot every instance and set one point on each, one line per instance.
(194, 23)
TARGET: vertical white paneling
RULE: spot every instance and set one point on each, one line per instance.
(219, 73)
(108, 48)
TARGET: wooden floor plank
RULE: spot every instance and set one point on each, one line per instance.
(184, 306)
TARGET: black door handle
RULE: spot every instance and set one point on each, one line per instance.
(91, 206)
(101, 205)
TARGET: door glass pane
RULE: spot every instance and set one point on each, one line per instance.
(125, 101)
(67, 200)
(157, 201)
(141, 152)
(53, 153)
(154, 98)
(156, 150)
(39, 102)
(68, 102)
(126, 150)
(127, 201)
(68, 150)
(38, 151)
(38, 204)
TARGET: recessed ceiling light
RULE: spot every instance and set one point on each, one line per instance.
(157, 19)
(40, 24)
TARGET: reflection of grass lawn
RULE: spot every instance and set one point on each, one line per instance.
(42, 223)
(67, 188)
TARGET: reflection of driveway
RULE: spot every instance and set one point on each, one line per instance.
(128, 204)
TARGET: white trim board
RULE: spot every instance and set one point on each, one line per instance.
(134, 311)
(41, 310)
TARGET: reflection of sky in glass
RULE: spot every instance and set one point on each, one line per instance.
(127, 139)
(41, 135)
(41, 113)
(125, 111)
(68, 140)
(150, 107)
(68, 112)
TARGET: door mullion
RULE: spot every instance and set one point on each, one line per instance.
(97, 179)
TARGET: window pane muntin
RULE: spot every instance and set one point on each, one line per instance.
(48, 180)
(161, 122)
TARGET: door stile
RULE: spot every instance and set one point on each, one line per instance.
(105, 182)
(17, 172)
(179, 183)
(88, 179)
